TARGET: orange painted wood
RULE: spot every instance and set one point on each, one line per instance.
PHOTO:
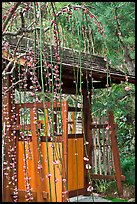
(38, 178)
(72, 164)
(30, 164)
(21, 195)
(58, 168)
(65, 149)
(115, 152)
(73, 122)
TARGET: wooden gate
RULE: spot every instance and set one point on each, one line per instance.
(48, 166)
(50, 158)
(105, 152)
(38, 171)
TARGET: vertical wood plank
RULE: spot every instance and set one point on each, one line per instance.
(104, 149)
(115, 152)
(65, 150)
(95, 151)
(73, 124)
(99, 150)
(38, 180)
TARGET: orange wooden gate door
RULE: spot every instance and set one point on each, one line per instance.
(41, 162)
(49, 171)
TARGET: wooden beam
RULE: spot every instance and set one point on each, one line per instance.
(101, 126)
(65, 150)
(115, 152)
(76, 192)
(39, 183)
(24, 127)
(38, 105)
(75, 136)
(88, 133)
(107, 177)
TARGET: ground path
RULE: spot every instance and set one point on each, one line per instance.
(88, 199)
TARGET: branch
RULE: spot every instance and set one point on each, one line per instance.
(22, 20)
(128, 59)
(14, 66)
(69, 7)
(10, 15)
(21, 31)
(21, 80)
(63, 10)
(15, 50)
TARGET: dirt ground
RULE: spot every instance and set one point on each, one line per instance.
(128, 192)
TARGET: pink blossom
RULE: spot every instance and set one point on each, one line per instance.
(55, 162)
(91, 16)
(48, 175)
(86, 159)
(65, 192)
(64, 180)
(39, 166)
(90, 189)
(127, 88)
(32, 94)
(56, 180)
(108, 127)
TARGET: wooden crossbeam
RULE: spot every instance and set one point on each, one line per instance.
(24, 127)
(101, 126)
(107, 177)
(38, 105)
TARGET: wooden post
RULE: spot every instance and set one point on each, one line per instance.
(38, 180)
(87, 132)
(115, 152)
(65, 151)
(6, 197)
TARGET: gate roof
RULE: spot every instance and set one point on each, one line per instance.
(93, 68)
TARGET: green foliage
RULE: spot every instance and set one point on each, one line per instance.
(128, 169)
(116, 199)
(122, 103)
(101, 186)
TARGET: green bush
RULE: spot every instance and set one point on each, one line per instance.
(128, 169)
